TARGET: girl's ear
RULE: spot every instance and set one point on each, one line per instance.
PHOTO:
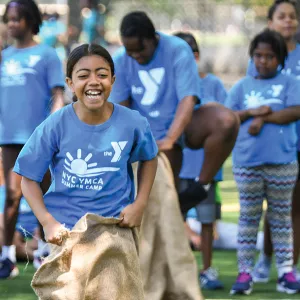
(70, 83)
(113, 79)
(270, 24)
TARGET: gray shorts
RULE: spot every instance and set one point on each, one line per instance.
(208, 211)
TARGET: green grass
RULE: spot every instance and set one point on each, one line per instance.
(225, 261)
(19, 287)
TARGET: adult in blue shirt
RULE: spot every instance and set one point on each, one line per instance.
(31, 75)
(157, 75)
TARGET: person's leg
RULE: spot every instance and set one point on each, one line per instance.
(207, 240)
(11, 209)
(214, 128)
(250, 186)
(13, 191)
(42, 249)
(262, 268)
(280, 181)
(206, 212)
(24, 248)
(296, 216)
(175, 158)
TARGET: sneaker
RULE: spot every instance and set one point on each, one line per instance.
(209, 280)
(192, 195)
(288, 284)
(8, 269)
(243, 285)
(296, 273)
(262, 269)
(38, 259)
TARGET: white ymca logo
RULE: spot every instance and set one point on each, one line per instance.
(33, 60)
(151, 81)
(276, 89)
(118, 148)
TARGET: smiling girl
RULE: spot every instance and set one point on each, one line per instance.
(31, 87)
(264, 158)
(89, 145)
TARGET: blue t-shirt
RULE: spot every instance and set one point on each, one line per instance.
(50, 30)
(157, 88)
(27, 77)
(292, 67)
(90, 164)
(275, 144)
(212, 90)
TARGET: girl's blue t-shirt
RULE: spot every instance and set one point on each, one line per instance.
(292, 67)
(275, 144)
(27, 78)
(90, 164)
(212, 90)
(156, 89)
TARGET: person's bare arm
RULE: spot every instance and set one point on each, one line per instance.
(133, 213)
(34, 196)
(183, 116)
(246, 114)
(284, 116)
(57, 99)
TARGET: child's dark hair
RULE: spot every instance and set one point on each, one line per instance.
(88, 50)
(190, 39)
(28, 10)
(276, 3)
(137, 24)
(275, 40)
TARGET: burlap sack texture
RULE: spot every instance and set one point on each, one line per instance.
(99, 261)
(168, 266)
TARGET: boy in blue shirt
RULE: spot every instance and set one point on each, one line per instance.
(31, 76)
(212, 90)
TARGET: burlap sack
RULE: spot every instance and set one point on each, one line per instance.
(168, 266)
(99, 261)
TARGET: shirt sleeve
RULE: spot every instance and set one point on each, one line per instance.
(221, 93)
(121, 90)
(187, 81)
(251, 70)
(55, 75)
(293, 92)
(145, 147)
(233, 100)
(36, 156)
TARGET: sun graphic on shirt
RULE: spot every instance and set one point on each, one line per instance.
(12, 67)
(253, 100)
(78, 165)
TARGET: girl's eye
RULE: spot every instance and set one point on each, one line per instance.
(82, 76)
(102, 75)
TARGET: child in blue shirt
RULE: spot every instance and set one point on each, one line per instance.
(281, 13)
(31, 87)
(89, 146)
(157, 75)
(264, 158)
(212, 90)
